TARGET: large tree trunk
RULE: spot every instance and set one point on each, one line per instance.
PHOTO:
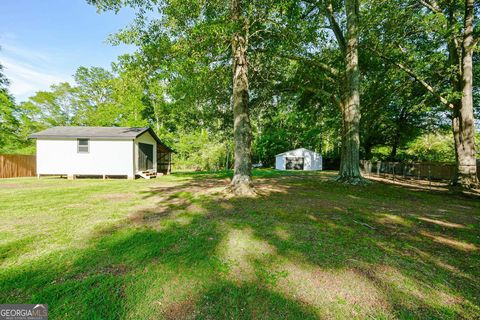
(242, 132)
(463, 120)
(350, 108)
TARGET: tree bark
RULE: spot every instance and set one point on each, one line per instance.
(463, 123)
(242, 133)
(350, 107)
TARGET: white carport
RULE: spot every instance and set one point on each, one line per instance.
(298, 159)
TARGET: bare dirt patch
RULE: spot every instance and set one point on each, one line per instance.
(12, 186)
(357, 295)
(453, 243)
(240, 249)
(179, 310)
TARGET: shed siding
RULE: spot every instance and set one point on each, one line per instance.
(105, 157)
(280, 162)
(313, 161)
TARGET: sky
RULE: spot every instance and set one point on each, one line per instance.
(43, 42)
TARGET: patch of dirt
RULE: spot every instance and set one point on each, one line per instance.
(195, 208)
(115, 270)
(419, 184)
(151, 213)
(179, 310)
(442, 223)
(240, 249)
(23, 186)
(393, 220)
(388, 277)
(12, 186)
(197, 188)
(322, 288)
(453, 243)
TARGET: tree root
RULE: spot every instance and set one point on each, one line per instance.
(465, 184)
(241, 189)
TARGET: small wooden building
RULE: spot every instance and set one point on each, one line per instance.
(101, 151)
(298, 159)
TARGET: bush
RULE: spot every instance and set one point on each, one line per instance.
(200, 150)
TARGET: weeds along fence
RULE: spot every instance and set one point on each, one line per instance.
(431, 171)
(15, 165)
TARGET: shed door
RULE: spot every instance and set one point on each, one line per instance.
(294, 163)
(145, 156)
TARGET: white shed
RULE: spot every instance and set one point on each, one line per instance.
(298, 159)
(101, 151)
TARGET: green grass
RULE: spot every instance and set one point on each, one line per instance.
(176, 248)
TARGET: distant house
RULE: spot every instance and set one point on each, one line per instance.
(101, 151)
(298, 159)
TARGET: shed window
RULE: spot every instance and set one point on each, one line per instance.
(83, 145)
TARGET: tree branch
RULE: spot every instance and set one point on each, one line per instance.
(333, 71)
(334, 26)
(432, 5)
(417, 78)
(335, 99)
(342, 43)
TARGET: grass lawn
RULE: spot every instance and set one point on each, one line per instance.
(175, 248)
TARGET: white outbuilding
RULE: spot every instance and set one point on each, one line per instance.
(101, 151)
(298, 159)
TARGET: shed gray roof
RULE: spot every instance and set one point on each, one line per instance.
(90, 132)
(113, 133)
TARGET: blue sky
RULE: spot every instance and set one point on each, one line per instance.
(44, 41)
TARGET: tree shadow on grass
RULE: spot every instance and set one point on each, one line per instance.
(380, 231)
(121, 264)
(306, 247)
(226, 300)
(90, 282)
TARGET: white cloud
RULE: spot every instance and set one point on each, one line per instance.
(29, 55)
(28, 73)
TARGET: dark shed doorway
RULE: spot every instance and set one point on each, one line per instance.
(145, 156)
(294, 163)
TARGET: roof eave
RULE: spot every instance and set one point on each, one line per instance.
(154, 135)
(79, 137)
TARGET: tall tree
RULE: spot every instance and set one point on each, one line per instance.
(57, 107)
(433, 42)
(347, 81)
(95, 97)
(350, 106)
(463, 122)
(242, 132)
(201, 43)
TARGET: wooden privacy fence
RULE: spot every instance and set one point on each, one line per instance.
(16, 165)
(418, 170)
